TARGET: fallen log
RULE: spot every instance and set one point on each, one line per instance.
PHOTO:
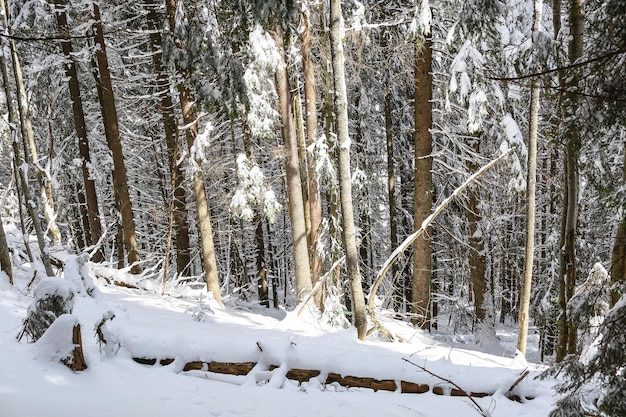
(305, 375)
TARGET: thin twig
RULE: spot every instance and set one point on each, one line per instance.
(478, 407)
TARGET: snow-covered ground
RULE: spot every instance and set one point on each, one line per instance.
(188, 327)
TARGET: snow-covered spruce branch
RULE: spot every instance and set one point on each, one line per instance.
(411, 238)
(478, 408)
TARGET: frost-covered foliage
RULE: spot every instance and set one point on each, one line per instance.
(259, 82)
(252, 191)
(595, 380)
(334, 313)
(53, 298)
(77, 272)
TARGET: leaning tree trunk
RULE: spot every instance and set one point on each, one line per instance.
(18, 161)
(28, 138)
(93, 212)
(345, 185)
(179, 200)
(294, 187)
(114, 141)
(423, 181)
(530, 196)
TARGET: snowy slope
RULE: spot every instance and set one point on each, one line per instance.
(34, 384)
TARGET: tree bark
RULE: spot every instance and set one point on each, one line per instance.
(114, 141)
(618, 256)
(179, 199)
(345, 185)
(92, 212)
(5, 254)
(310, 106)
(28, 137)
(423, 200)
(572, 150)
(530, 196)
(292, 168)
(209, 262)
(18, 161)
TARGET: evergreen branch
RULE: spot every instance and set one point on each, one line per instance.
(575, 65)
(57, 37)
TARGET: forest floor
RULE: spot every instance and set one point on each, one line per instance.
(186, 327)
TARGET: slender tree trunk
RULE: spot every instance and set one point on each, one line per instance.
(18, 161)
(423, 200)
(399, 291)
(572, 150)
(28, 137)
(294, 188)
(310, 106)
(179, 200)
(618, 256)
(93, 212)
(530, 196)
(209, 262)
(112, 133)
(5, 254)
(259, 235)
(345, 185)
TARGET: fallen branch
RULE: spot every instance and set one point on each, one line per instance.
(319, 283)
(411, 238)
(459, 390)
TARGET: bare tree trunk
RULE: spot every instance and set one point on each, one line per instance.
(188, 106)
(112, 133)
(5, 254)
(93, 212)
(294, 188)
(530, 196)
(572, 150)
(345, 185)
(310, 106)
(28, 137)
(618, 256)
(209, 263)
(18, 161)
(477, 258)
(423, 199)
(179, 200)
(399, 292)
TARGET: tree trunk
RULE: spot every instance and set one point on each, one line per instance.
(618, 256)
(18, 161)
(28, 138)
(310, 106)
(399, 290)
(477, 258)
(572, 150)
(209, 263)
(423, 198)
(292, 168)
(114, 141)
(179, 200)
(530, 196)
(93, 212)
(5, 254)
(345, 184)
